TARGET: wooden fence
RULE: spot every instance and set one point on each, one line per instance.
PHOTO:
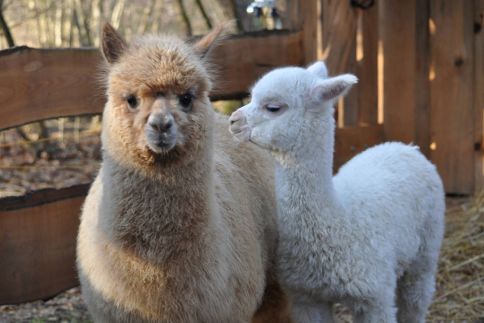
(420, 65)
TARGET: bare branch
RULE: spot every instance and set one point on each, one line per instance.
(5, 28)
(204, 13)
(184, 14)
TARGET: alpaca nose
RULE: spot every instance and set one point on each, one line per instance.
(161, 123)
(236, 116)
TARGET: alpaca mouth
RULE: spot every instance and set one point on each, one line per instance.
(241, 133)
(161, 146)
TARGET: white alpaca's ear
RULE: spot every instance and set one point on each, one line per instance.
(319, 69)
(332, 88)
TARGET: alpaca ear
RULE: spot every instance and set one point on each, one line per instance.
(319, 69)
(113, 45)
(332, 88)
(205, 45)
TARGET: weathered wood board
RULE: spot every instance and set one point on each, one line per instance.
(37, 246)
(451, 88)
(38, 84)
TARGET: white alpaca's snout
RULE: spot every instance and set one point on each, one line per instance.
(239, 126)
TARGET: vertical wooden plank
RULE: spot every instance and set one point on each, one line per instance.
(350, 101)
(304, 16)
(309, 24)
(404, 33)
(339, 29)
(422, 83)
(339, 23)
(368, 68)
(452, 106)
(479, 93)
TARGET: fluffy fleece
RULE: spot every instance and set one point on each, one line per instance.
(368, 237)
(178, 225)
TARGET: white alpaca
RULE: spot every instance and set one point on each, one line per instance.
(368, 237)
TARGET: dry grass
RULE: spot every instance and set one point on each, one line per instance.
(460, 281)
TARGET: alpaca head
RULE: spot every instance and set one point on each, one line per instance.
(286, 104)
(158, 111)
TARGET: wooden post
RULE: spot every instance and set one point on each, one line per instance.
(452, 84)
(404, 34)
(339, 24)
(309, 18)
(479, 94)
(368, 69)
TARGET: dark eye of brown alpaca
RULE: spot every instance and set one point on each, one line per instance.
(132, 101)
(185, 100)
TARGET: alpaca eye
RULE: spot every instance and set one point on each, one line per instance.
(185, 99)
(132, 101)
(272, 108)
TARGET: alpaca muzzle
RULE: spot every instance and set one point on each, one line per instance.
(239, 126)
(161, 132)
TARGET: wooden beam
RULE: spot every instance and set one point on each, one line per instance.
(37, 250)
(244, 59)
(43, 196)
(452, 106)
(38, 84)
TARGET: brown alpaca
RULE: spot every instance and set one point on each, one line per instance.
(179, 225)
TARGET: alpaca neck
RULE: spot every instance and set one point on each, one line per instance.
(305, 178)
(157, 214)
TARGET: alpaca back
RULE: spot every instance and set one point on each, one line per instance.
(395, 194)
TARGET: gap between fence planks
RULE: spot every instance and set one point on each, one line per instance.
(37, 84)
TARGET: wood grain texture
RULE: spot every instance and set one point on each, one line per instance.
(241, 60)
(479, 94)
(309, 25)
(403, 24)
(353, 140)
(43, 196)
(37, 250)
(367, 69)
(452, 106)
(37, 84)
(339, 24)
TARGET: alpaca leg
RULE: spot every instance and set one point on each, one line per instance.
(415, 293)
(376, 312)
(326, 312)
(416, 287)
(311, 313)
